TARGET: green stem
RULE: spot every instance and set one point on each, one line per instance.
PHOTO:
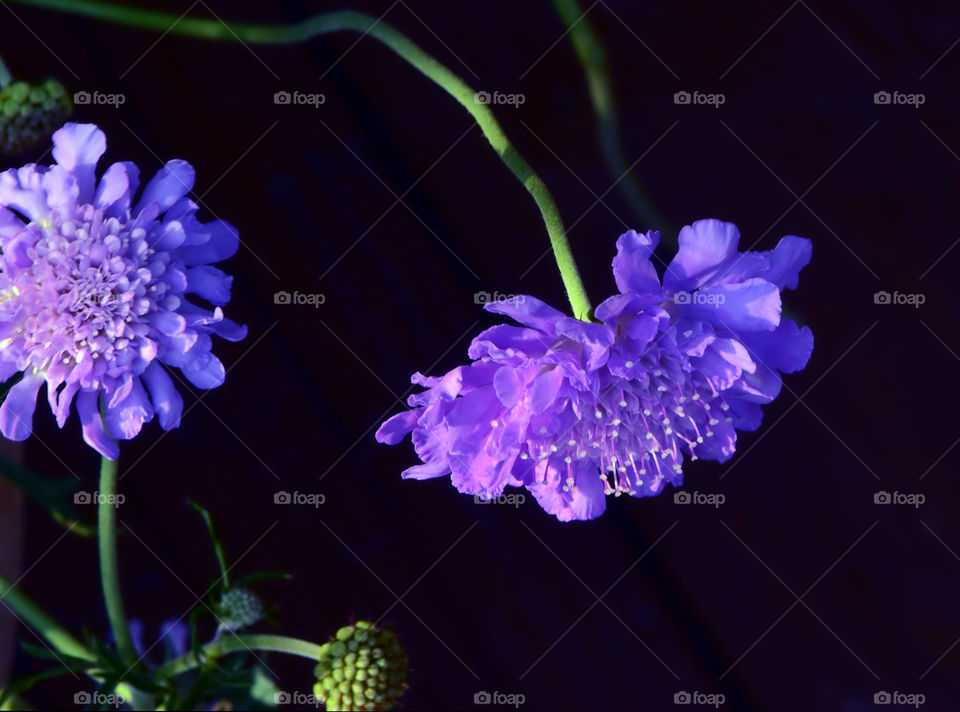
(239, 643)
(593, 59)
(109, 575)
(214, 29)
(51, 631)
(5, 76)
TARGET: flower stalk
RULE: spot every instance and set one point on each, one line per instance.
(593, 60)
(239, 643)
(326, 23)
(109, 574)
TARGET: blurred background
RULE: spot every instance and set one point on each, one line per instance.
(800, 591)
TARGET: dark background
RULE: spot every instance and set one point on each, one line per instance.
(693, 598)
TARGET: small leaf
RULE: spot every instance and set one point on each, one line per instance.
(217, 545)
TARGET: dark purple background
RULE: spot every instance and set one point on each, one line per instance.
(308, 386)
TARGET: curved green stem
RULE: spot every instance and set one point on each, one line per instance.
(213, 29)
(109, 575)
(240, 643)
(593, 59)
(51, 631)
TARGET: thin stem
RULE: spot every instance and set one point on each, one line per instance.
(213, 29)
(593, 59)
(239, 643)
(43, 624)
(109, 575)
(5, 76)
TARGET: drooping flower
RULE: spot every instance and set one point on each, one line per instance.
(574, 410)
(94, 288)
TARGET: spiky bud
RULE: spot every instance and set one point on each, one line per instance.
(240, 607)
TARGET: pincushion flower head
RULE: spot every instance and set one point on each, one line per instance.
(96, 288)
(574, 411)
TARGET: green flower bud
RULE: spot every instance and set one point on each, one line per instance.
(29, 113)
(240, 607)
(361, 668)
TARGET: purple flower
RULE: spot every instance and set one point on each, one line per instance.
(574, 410)
(94, 287)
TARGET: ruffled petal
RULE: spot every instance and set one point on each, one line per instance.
(62, 190)
(506, 341)
(735, 353)
(204, 371)
(171, 183)
(230, 330)
(544, 389)
(222, 244)
(167, 323)
(78, 147)
(431, 446)
(704, 246)
(595, 338)
(508, 386)
(790, 256)
(167, 236)
(209, 283)
(116, 188)
(787, 348)
(583, 502)
(632, 268)
(92, 425)
(16, 413)
(166, 399)
(10, 224)
(126, 418)
(753, 305)
(397, 427)
(21, 189)
(529, 311)
(60, 400)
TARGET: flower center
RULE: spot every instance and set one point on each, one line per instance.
(91, 281)
(637, 429)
